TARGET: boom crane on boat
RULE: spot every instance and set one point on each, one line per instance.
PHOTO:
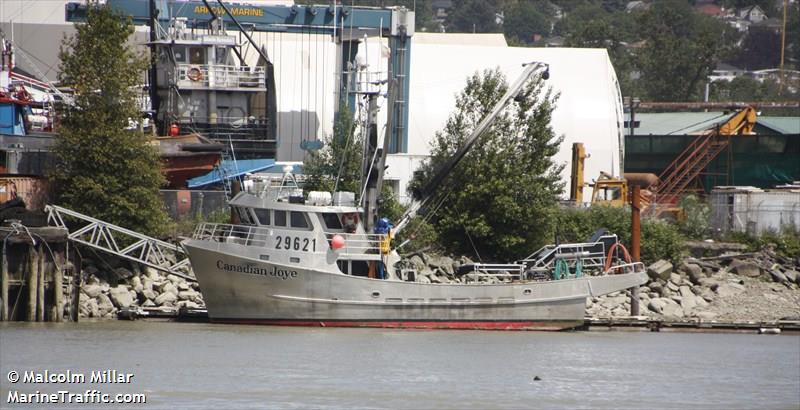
(513, 92)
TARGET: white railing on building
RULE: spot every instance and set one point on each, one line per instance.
(220, 76)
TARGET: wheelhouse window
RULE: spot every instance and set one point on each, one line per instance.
(244, 216)
(262, 215)
(179, 53)
(280, 218)
(197, 55)
(332, 221)
(298, 220)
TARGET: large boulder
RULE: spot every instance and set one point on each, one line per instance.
(672, 309)
(123, 273)
(417, 263)
(444, 263)
(729, 289)
(660, 269)
(777, 276)
(744, 268)
(92, 290)
(694, 271)
(104, 304)
(149, 294)
(169, 287)
(121, 296)
(166, 298)
(656, 305)
(792, 276)
(705, 315)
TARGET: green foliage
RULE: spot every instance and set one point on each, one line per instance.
(504, 192)
(340, 157)
(786, 242)
(102, 169)
(473, 16)
(695, 224)
(681, 48)
(185, 226)
(524, 19)
(749, 89)
(660, 239)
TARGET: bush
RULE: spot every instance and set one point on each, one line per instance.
(786, 242)
(185, 226)
(660, 239)
(695, 221)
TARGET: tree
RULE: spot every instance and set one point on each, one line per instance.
(524, 19)
(340, 158)
(681, 48)
(103, 169)
(476, 16)
(501, 197)
(761, 48)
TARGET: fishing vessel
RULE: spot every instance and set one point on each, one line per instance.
(316, 260)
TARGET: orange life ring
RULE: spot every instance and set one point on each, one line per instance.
(195, 74)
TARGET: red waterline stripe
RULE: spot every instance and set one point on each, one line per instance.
(466, 325)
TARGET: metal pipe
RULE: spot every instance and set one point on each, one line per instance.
(636, 233)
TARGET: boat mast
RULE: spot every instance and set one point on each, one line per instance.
(438, 177)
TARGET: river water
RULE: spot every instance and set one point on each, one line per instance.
(187, 365)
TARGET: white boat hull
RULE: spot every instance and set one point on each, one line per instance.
(240, 289)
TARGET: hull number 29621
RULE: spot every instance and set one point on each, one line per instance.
(294, 243)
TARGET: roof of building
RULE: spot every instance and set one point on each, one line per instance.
(688, 123)
(784, 125)
(710, 9)
(235, 169)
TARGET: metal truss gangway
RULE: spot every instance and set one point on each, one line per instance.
(119, 241)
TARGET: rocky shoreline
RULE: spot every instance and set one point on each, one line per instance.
(149, 288)
(758, 286)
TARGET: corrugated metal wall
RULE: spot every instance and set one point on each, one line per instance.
(754, 212)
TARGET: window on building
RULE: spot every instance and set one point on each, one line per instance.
(221, 55)
(179, 53)
(197, 55)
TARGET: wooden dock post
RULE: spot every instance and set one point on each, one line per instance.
(57, 310)
(76, 286)
(33, 286)
(4, 316)
(40, 302)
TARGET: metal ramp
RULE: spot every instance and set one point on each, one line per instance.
(106, 237)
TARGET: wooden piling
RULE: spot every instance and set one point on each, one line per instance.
(58, 290)
(76, 286)
(4, 286)
(40, 294)
(33, 285)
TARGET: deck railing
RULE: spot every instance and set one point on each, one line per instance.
(354, 244)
